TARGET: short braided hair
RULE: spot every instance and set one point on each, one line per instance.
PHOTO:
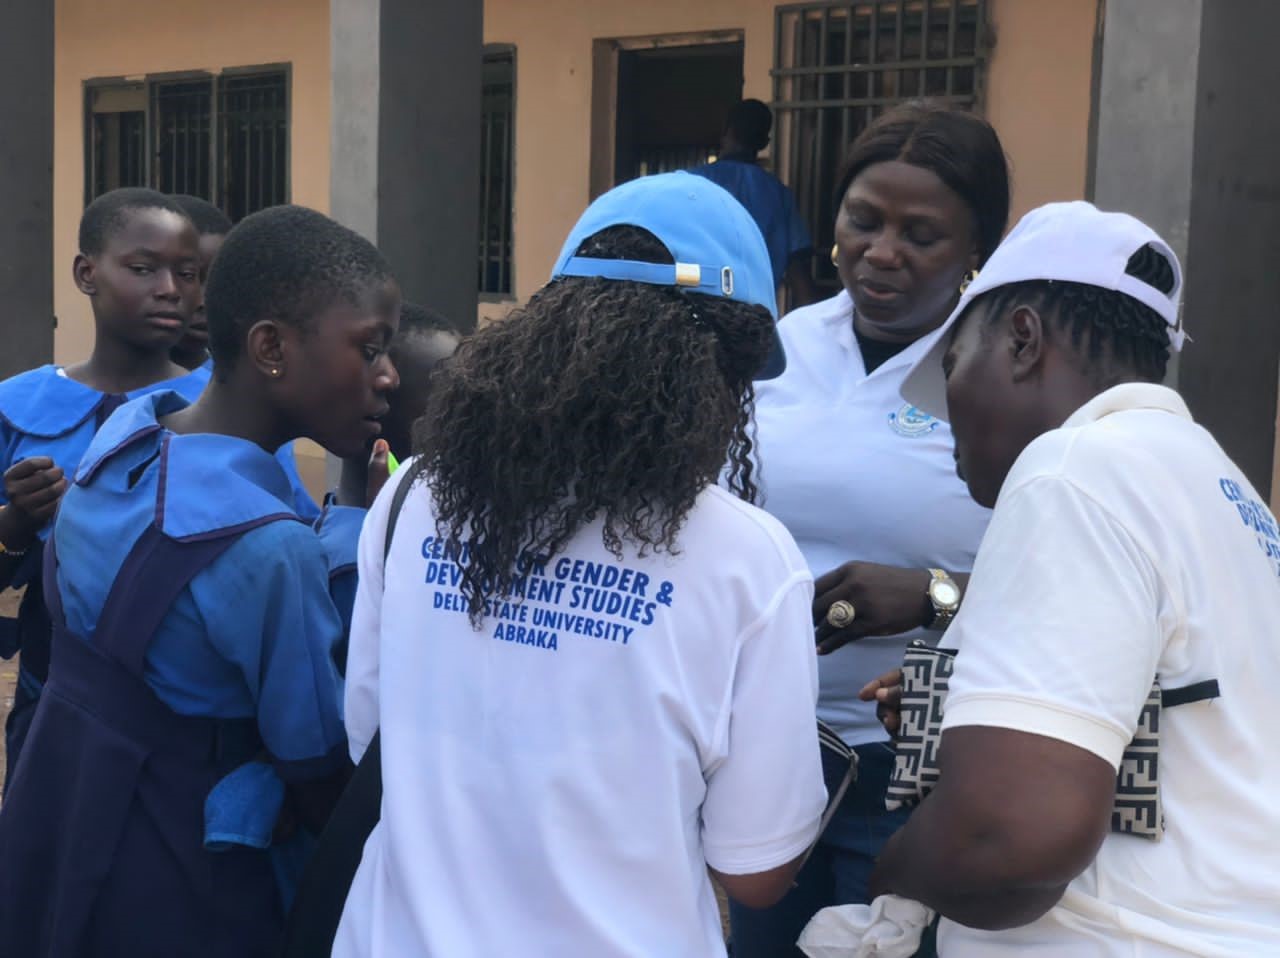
(1121, 337)
(209, 220)
(421, 320)
(286, 263)
(109, 213)
(751, 122)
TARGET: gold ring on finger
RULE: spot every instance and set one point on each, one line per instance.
(841, 614)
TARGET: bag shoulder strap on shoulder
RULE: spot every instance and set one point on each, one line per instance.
(397, 504)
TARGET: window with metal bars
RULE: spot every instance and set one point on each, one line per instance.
(182, 136)
(224, 137)
(497, 143)
(838, 65)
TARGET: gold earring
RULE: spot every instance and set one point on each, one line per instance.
(969, 277)
(835, 255)
(274, 371)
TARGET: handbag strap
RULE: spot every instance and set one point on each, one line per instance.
(323, 889)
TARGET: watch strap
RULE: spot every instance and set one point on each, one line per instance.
(942, 616)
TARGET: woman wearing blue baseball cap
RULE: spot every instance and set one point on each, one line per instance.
(591, 666)
(865, 482)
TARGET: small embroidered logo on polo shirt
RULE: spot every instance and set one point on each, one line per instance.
(912, 422)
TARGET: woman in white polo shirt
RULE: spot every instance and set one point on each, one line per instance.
(592, 667)
(865, 483)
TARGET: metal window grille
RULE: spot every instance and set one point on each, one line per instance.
(253, 123)
(222, 137)
(497, 138)
(182, 118)
(118, 150)
(838, 65)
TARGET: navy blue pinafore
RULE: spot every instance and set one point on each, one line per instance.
(101, 831)
(30, 632)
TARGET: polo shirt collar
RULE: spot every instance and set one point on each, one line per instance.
(840, 318)
(1129, 396)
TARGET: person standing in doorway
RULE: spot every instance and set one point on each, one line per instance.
(770, 203)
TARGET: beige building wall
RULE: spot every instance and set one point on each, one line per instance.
(1038, 97)
(554, 42)
(112, 38)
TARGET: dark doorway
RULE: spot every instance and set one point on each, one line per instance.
(671, 106)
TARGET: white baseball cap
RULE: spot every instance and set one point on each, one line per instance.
(1071, 242)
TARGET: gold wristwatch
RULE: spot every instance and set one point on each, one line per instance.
(944, 596)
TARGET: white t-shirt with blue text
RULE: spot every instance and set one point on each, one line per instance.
(1126, 547)
(556, 782)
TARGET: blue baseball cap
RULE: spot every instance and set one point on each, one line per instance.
(717, 247)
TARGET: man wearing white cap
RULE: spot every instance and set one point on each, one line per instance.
(1125, 549)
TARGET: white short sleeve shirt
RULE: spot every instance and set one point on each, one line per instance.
(556, 782)
(1126, 546)
(854, 473)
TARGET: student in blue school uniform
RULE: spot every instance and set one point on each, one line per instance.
(138, 263)
(425, 340)
(192, 351)
(194, 618)
(212, 225)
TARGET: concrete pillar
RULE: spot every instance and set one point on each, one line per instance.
(26, 186)
(1146, 115)
(1187, 139)
(406, 140)
(405, 148)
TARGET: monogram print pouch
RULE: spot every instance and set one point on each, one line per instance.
(926, 673)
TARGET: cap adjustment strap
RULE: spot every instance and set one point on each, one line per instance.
(715, 281)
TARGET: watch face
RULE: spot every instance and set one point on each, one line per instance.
(945, 594)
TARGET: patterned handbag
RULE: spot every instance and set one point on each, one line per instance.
(926, 674)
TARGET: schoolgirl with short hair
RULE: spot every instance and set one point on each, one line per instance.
(195, 627)
(138, 265)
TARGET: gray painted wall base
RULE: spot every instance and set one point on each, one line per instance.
(26, 187)
(405, 148)
(1189, 141)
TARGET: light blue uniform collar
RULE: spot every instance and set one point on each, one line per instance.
(208, 484)
(45, 403)
(42, 403)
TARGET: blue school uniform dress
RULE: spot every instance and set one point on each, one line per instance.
(339, 531)
(45, 413)
(303, 504)
(195, 632)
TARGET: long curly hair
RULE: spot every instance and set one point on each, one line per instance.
(600, 398)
